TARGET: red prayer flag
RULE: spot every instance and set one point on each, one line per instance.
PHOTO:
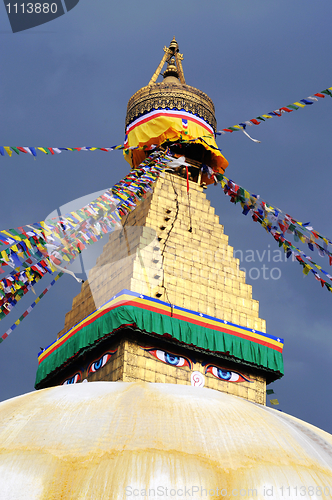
(287, 110)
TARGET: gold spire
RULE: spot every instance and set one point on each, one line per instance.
(172, 92)
(173, 59)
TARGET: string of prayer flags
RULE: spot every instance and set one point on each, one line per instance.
(28, 311)
(91, 222)
(56, 247)
(273, 401)
(302, 103)
(15, 286)
(52, 151)
(278, 224)
(37, 231)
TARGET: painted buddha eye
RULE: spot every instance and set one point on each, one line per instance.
(73, 380)
(96, 365)
(169, 358)
(226, 375)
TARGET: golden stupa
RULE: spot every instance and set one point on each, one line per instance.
(169, 338)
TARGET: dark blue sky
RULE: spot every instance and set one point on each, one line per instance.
(67, 83)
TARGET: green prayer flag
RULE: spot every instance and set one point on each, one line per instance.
(269, 391)
(292, 106)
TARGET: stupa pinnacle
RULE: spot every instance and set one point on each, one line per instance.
(174, 68)
(162, 113)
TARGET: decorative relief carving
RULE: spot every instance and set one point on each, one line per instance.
(172, 96)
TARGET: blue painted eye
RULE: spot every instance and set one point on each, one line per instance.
(222, 374)
(73, 380)
(172, 359)
(96, 365)
(169, 358)
(226, 375)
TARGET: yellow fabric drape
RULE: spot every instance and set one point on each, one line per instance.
(156, 130)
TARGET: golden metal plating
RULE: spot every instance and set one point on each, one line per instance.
(172, 93)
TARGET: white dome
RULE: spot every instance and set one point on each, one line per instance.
(92, 441)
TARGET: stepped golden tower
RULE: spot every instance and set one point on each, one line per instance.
(169, 338)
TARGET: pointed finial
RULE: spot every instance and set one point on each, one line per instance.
(174, 45)
(173, 60)
(171, 69)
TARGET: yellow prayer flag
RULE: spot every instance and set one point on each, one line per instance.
(17, 238)
(73, 222)
(51, 265)
(101, 206)
(266, 116)
(76, 216)
(299, 104)
(45, 228)
(306, 269)
(274, 402)
(4, 256)
(43, 150)
(9, 151)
